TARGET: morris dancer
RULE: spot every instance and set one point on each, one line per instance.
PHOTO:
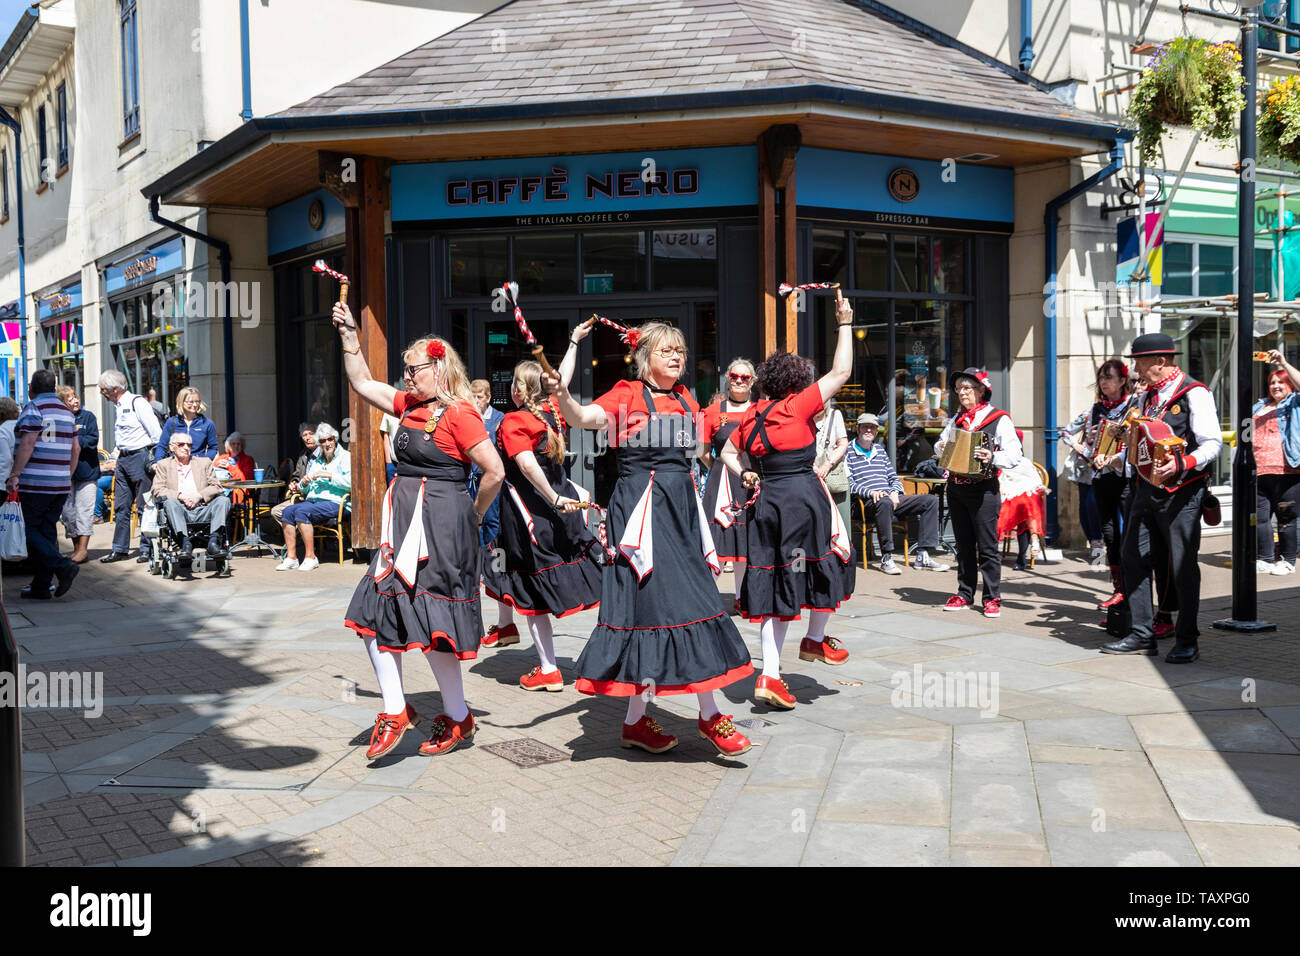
(800, 555)
(660, 629)
(1170, 515)
(974, 502)
(422, 589)
(723, 489)
(543, 541)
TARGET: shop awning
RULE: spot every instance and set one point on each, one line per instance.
(34, 46)
(589, 75)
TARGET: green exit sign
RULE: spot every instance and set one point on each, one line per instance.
(596, 282)
(497, 338)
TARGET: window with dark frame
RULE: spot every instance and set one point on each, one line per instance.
(44, 146)
(4, 176)
(130, 71)
(61, 118)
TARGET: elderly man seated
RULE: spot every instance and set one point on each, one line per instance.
(188, 491)
(873, 479)
(327, 482)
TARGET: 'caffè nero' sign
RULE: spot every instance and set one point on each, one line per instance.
(576, 190)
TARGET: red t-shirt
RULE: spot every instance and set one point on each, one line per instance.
(460, 428)
(626, 413)
(711, 420)
(789, 424)
(520, 431)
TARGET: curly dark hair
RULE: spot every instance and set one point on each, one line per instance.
(784, 373)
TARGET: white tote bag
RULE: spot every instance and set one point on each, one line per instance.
(149, 517)
(13, 530)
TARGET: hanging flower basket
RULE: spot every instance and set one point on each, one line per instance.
(1188, 82)
(1279, 120)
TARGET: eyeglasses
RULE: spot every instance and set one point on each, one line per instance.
(410, 370)
(329, 441)
(669, 351)
(738, 377)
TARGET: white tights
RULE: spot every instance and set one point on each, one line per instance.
(505, 614)
(772, 632)
(738, 569)
(446, 671)
(636, 706)
(817, 621)
(540, 627)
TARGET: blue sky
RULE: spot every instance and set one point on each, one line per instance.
(10, 11)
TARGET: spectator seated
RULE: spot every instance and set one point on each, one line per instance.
(327, 485)
(191, 509)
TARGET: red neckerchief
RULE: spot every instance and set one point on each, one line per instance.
(969, 415)
(1153, 391)
(1111, 406)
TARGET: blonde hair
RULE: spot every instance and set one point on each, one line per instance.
(64, 392)
(183, 394)
(651, 336)
(452, 384)
(528, 379)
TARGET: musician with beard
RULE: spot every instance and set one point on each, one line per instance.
(1167, 514)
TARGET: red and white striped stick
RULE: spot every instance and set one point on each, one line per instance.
(785, 288)
(343, 280)
(623, 330)
(511, 292)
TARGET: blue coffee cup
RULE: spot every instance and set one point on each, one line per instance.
(258, 473)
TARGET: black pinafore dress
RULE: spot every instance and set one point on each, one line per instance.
(730, 540)
(422, 589)
(663, 629)
(548, 566)
(792, 566)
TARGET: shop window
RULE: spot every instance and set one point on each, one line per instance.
(870, 261)
(321, 356)
(477, 264)
(61, 352)
(4, 178)
(685, 259)
(460, 332)
(613, 262)
(1215, 272)
(829, 261)
(911, 264)
(949, 265)
(130, 70)
(147, 343)
(546, 263)
(1264, 272)
(1177, 269)
(45, 175)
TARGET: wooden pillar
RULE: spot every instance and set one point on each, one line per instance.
(790, 248)
(361, 184)
(767, 278)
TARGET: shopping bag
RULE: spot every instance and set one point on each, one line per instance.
(149, 517)
(13, 530)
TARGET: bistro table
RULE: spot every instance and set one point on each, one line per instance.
(250, 511)
(938, 486)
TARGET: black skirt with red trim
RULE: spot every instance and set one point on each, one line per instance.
(667, 631)
(791, 565)
(548, 570)
(730, 541)
(440, 610)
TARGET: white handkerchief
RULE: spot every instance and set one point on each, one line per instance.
(414, 547)
(840, 543)
(706, 537)
(637, 543)
(523, 510)
(722, 510)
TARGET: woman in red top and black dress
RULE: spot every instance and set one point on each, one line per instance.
(661, 629)
(541, 565)
(800, 555)
(422, 589)
(723, 489)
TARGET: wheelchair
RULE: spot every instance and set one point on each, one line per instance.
(165, 556)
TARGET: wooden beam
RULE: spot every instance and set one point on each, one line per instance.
(767, 279)
(341, 173)
(366, 263)
(790, 268)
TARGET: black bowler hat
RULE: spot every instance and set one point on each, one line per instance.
(978, 376)
(1153, 343)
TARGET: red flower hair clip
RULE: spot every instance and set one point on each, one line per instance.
(632, 337)
(436, 350)
(1123, 369)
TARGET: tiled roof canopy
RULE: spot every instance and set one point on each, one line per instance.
(535, 51)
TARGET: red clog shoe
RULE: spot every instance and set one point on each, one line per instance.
(1111, 601)
(536, 680)
(774, 691)
(956, 603)
(827, 651)
(648, 735)
(501, 636)
(448, 735)
(993, 607)
(722, 733)
(389, 729)
(1161, 629)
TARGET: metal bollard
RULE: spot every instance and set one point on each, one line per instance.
(13, 832)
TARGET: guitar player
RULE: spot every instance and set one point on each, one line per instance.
(1167, 513)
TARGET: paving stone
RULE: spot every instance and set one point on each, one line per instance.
(802, 761)
(997, 856)
(865, 844)
(1287, 719)
(1236, 844)
(995, 809)
(1113, 733)
(1230, 787)
(917, 628)
(1243, 730)
(996, 748)
(1082, 846)
(1117, 797)
(1033, 649)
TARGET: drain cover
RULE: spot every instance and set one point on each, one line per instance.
(753, 723)
(526, 752)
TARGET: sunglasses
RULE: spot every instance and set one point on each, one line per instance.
(739, 377)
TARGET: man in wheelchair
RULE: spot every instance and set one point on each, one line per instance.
(189, 498)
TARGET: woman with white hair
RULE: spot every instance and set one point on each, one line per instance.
(327, 482)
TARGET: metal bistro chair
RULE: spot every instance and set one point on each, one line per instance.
(869, 527)
(339, 529)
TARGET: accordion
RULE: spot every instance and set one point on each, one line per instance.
(1152, 442)
(958, 455)
(1109, 439)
